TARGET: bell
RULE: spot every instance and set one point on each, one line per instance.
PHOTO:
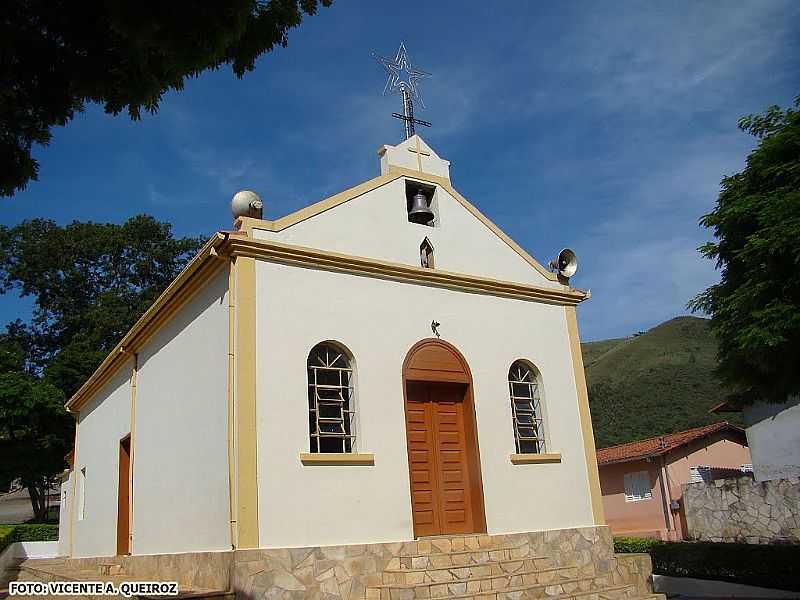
(420, 211)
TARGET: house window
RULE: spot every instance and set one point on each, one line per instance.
(699, 473)
(330, 399)
(637, 486)
(82, 494)
(426, 254)
(526, 410)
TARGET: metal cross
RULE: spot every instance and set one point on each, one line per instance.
(403, 80)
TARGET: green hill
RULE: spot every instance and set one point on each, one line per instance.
(660, 381)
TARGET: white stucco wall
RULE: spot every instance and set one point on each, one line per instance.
(65, 516)
(376, 225)
(102, 423)
(773, 434)
(180, 456)
(379, 321)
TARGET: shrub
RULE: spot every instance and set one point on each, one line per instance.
(27, 533)
(751, 564)
(633, 544)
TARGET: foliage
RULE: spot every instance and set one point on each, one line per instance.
(750, 564)
(27, 533)
(627, 545)
(651, 384)
(34, 428)
(755, 308)
(57, 56)
(91, 282)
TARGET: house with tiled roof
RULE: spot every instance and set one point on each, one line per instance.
(642, 482)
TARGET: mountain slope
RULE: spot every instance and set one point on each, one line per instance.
(660, 381)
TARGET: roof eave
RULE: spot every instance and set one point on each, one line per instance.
(126, 344)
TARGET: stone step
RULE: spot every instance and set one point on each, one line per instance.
(486, 584)
(603, 594)
(617, 592)
(534, 584)
(461, 558)
(194, 595)
(456, 543)
(504, 568)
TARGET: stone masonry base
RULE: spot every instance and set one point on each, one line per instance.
(558, 564)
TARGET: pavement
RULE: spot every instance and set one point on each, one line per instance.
(15, 507)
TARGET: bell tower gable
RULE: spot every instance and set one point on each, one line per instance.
(413, 154)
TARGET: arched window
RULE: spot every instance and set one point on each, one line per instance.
(426, 254)
(330, 399)
(526, 410)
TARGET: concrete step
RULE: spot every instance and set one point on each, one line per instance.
(488, 569)
(58, 570)
(9, 573)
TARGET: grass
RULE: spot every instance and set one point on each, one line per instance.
(658, 382)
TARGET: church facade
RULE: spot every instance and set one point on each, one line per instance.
(352, 373)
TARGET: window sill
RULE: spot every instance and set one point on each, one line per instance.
(337, 458)
(534, 459)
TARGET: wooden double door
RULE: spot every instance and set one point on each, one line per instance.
(446, 491)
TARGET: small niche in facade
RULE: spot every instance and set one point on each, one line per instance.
(426, 254)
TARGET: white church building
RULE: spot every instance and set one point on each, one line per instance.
(382, 366)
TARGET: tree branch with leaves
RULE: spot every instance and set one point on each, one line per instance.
(755, 308)
(56, 56)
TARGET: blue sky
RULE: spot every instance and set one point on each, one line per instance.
(605, 127)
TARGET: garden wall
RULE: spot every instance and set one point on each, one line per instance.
(743, 510)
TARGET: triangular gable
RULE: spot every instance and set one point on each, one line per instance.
(391, 174)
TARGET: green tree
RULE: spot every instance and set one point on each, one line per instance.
(56, 56)
(34, 427)
(755, 308)
(91, 282)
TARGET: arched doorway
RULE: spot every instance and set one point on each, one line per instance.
(441, 433)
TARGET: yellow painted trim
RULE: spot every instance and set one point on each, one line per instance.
(357, 265)
(337, 458)
(245, 374)
(134, 378)
(248, 224)
(533, 459)
(232, 500)
(585, 417)
(199, 270)
(72, 516)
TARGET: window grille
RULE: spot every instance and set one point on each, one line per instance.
(523, 385)
(637, 486)
(330, 395)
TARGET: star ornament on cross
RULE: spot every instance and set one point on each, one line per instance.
(403, 77)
